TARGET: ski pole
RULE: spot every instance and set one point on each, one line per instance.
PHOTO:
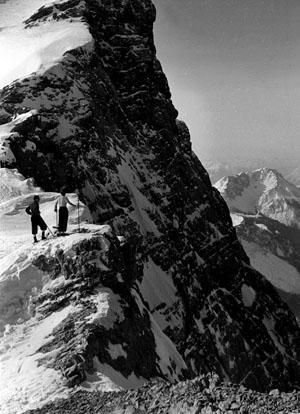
(49, 229)
(78, 219)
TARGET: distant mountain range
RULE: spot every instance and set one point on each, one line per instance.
(219, 169)
(265, 211)
(263, 191)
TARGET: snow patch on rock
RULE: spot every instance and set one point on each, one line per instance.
(248, 295)
(280, 273)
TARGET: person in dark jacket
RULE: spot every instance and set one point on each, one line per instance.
(36, 220)
(63, 214)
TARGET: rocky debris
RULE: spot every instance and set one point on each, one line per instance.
(202, 395)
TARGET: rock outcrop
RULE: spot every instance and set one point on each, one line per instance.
(101, 120)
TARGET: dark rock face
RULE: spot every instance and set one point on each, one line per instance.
(131, 159)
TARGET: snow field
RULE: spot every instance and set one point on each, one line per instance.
(25, 51)
(280, 273)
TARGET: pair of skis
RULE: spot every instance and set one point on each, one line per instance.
(51, 236)
(58, 234)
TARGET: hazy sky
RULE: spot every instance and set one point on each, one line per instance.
(233, 67)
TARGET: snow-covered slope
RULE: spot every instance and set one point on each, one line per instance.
(262, 191)
(26, 51)
(274, 250)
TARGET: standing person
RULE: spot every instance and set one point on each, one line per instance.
(36, 220)
(63, 213)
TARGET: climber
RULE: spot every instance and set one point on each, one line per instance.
(63, 213)
(36, 220)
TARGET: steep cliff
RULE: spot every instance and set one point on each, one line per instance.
(100, 119)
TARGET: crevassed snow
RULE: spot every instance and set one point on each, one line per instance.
(280, 273)
(24, 51)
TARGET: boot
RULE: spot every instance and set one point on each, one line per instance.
(43, 236)
(35, 240)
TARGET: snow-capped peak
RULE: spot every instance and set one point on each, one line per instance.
(263, 191)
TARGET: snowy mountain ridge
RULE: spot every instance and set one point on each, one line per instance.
(159, 285)
(27, 46)
(44, 287)
(263, 191)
